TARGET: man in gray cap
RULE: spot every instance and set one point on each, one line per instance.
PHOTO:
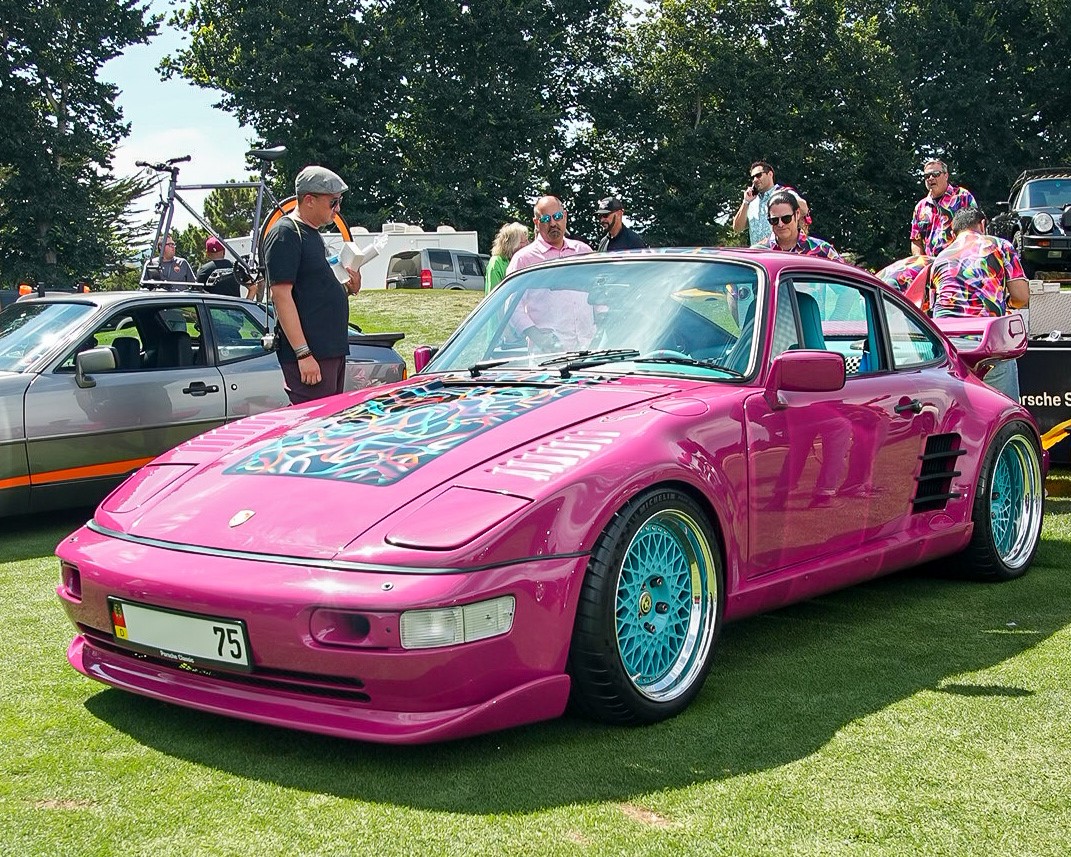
(311, 306)
(611, 214)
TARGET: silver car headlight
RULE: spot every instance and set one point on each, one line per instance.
(1043, 222)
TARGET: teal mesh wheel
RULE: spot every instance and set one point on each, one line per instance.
(1008, 507)
(649, 612)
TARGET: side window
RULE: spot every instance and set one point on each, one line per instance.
(912, 343)
(439, 260)
(468, 266)
(236, 333)
(121, 327)
(840, 317)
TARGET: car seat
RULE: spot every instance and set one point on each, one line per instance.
(810, 322)
(127, 353)
(176, 350)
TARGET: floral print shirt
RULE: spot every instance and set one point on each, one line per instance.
(970, 277)
(931, 224)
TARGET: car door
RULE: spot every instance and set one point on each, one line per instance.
(470, 271)
(831, 471)
(83, 438)
(252, 379)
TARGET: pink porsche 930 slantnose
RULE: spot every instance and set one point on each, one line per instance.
(611, 457)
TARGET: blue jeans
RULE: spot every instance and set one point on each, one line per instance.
(1004, 376)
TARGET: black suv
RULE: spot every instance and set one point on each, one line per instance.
(1037, 220)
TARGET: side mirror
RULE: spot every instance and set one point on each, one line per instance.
(422, 357)
(100, 359)
(803, 372)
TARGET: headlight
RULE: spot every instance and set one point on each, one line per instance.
(447, 626)
(1043, 222)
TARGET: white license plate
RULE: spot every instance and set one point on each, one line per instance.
(1055, 254)
(184, 638)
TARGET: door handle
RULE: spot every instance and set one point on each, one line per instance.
(200, 388)
(915, 406)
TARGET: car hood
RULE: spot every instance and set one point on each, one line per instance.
(308, 482)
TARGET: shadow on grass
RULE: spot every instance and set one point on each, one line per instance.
(782, 686)
(32, 536)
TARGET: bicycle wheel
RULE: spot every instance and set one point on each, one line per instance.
(284, 208)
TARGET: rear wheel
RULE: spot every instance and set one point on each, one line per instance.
(1008, 508)
(649, 612)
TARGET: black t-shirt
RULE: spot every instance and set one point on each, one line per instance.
(297, 257)
(626, 239)
(225, 284)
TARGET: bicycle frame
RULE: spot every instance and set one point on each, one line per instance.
(166, 207)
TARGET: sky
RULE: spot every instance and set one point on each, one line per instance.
(169, 119)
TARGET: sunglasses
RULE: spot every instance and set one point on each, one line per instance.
(741, 293)
(336, 202)
(784, 219)
(170, 244)
(547, 218)
(932, 174)
(757, 175)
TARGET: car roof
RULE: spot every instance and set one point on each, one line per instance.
(1038, 173)
(774, 261)
(115, 298)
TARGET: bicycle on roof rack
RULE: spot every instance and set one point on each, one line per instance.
(248, 267)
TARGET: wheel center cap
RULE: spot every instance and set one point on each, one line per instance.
(645, 603)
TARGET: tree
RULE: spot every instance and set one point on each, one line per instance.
(432, 110)
(63, 214)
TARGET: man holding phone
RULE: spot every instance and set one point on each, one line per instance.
(754, 210)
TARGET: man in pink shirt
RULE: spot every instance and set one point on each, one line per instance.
(550, 242)
(551, 320)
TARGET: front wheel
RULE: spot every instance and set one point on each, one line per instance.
(649, 613)
(1008, 508)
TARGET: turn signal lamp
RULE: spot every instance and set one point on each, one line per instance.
(449, 626)
(25, 289)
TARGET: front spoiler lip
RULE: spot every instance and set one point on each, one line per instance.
(542, 699)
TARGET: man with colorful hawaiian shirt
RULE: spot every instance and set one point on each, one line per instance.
(754, 209)
(784, 219)
(980, 275)
(931, 224)
(909, 276)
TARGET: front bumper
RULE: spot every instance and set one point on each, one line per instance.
(374, 692)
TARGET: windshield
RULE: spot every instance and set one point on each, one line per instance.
(30, 330)
(649, 314)
(1046, 193)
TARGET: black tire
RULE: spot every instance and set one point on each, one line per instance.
(650, 611)
(1017, 245)
(1009, 505)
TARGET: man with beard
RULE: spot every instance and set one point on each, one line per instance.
(611, 214)
(550, 242)
(551, 320)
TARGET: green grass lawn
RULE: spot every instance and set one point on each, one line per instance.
(908, 716)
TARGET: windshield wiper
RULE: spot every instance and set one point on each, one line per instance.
(693, 361)
(476, 368)
(584, 359)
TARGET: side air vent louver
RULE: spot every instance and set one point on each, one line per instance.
(938, 470)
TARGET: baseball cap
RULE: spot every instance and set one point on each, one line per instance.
(316, 179)
(214, 245)
(611, 203)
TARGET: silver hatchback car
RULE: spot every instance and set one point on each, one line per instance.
(93, 386)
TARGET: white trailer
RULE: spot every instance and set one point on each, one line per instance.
(400, 239)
